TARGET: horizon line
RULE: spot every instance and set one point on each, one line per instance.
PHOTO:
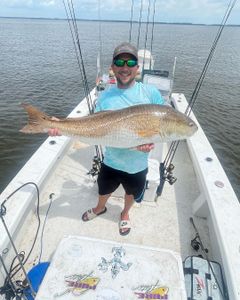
(122, 21)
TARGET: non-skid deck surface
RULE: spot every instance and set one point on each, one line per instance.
(162, 224)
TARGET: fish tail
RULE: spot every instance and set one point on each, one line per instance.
(37, 120)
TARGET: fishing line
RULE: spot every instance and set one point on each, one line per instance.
(174, 145)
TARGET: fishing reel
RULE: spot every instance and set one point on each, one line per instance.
(166, 174)
(2, 209)
(196, 245)
(101, 85)
(169, 175)
(96, 165)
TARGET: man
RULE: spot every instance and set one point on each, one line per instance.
(124, 166)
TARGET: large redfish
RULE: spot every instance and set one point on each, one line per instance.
(123, 128)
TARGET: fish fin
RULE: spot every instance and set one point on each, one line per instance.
(36, 120)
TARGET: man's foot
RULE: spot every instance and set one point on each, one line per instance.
(89, 214)
(124, 225)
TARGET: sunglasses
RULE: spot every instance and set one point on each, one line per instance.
(121, 62)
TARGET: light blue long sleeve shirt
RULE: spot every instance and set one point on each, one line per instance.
(127, 160)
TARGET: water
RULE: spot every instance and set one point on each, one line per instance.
(38, 66)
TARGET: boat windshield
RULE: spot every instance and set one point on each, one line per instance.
(163, 84)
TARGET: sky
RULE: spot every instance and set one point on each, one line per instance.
(183, 11)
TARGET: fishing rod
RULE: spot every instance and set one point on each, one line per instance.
(166, 167)
(146, 33)
(131, 22)
(99, 67)
(71, 17)
(139, 23)
(152, 31)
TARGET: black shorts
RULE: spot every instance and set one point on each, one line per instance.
(109, 180)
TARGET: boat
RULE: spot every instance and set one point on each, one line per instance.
(184, 242)
(197, 218)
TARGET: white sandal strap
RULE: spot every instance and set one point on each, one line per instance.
(90, 214)
(124, 224)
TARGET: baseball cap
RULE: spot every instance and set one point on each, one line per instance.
(125, 48)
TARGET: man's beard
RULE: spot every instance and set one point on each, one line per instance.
(126, 84)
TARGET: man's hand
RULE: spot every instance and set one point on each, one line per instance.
(145, 147)
(54, 131)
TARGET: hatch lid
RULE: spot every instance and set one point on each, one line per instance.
(100, 269)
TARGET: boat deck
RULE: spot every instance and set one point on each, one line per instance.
(60, 169)
(163, 223)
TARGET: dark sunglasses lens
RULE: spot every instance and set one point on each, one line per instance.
(131, 63)
(120, 62)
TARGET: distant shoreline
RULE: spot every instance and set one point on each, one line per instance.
(121, 21)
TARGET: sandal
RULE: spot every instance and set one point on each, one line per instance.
(89, 214)
(124, 224)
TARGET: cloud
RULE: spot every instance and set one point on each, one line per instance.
(195, 11)
(47, 2)
(15, 3)
(26, 3)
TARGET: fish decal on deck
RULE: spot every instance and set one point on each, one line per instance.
(123, 128)
(152, 292)
(79, 284)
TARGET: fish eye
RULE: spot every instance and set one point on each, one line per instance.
(191, 124)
